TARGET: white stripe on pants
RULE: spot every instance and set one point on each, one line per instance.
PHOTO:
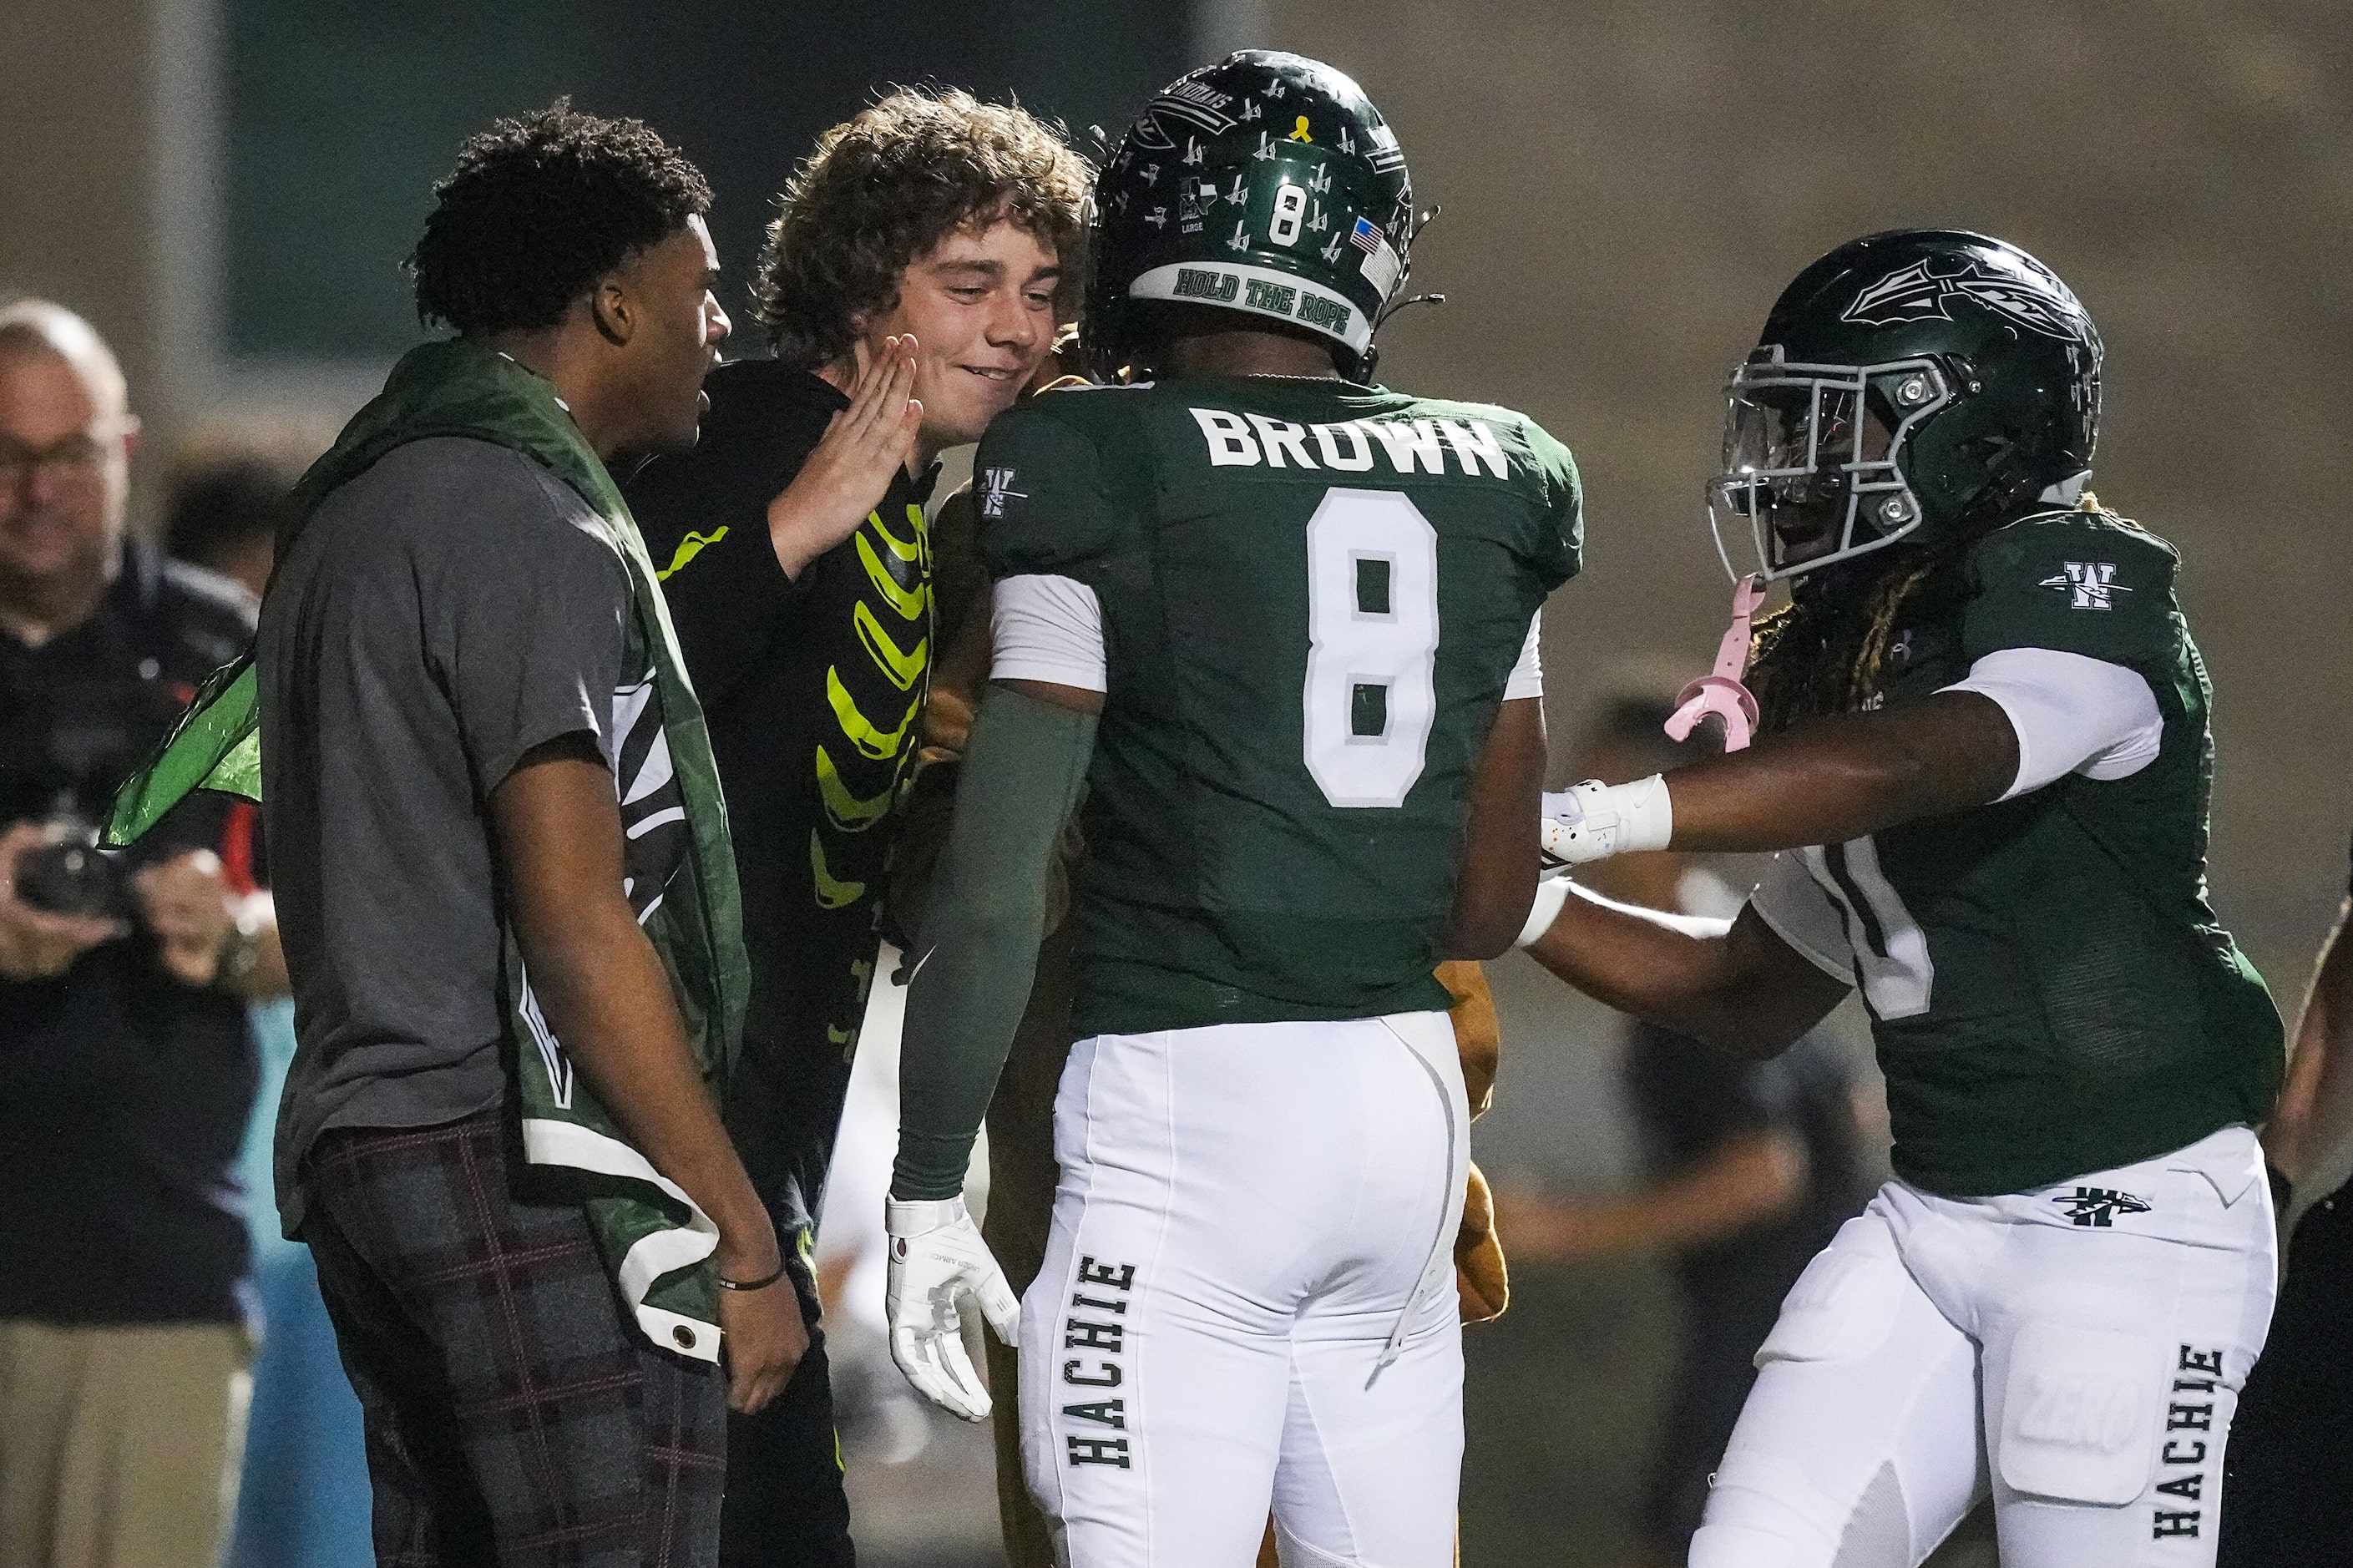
(1244, 1211)
(2078, 1350)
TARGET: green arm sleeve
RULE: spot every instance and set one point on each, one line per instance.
(977, 952)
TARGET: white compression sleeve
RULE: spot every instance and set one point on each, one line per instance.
(1047, 628)
(2073, 714)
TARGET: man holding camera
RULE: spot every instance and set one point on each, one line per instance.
(127, 1066)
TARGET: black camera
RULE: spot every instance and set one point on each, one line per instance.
(73, 876)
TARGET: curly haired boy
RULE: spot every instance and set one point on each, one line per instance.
(910, 284)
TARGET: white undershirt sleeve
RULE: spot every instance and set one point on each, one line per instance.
(1047, 628)
(2073, 714)
(1528, 676)
(1804, 916)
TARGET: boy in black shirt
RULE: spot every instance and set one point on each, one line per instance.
(796, 557)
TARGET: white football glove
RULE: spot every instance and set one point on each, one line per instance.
(936, 1254)
(1592, 821)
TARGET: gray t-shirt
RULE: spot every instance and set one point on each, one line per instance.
(439, 617)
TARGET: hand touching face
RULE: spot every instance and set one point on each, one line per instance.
(981, 304)
(864, 447)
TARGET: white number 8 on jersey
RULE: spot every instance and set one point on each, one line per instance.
(1371, 693)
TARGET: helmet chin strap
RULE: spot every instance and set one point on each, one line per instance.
(1372, 355)
(1428, 215)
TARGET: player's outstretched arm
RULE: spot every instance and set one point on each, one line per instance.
(1831, 780)
(1739, 985)
(1498, 878)
(977, 957)
(2025, 717)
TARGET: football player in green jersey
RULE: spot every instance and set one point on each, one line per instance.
(1986, 764)
(1277, 625)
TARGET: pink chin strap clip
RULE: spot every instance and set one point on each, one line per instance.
(1719, 692)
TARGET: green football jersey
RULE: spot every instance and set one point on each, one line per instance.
(2050, 991)
(1311, 596)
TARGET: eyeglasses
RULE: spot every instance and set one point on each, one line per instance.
(79, 458)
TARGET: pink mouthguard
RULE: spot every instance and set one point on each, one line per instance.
(1719, 692)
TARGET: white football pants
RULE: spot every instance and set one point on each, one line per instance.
(2078, 1349)
(1248, 1298)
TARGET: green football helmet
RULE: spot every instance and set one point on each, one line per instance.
(1267, 185)
(1909, 387)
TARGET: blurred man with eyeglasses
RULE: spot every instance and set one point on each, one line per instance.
(127, 1065)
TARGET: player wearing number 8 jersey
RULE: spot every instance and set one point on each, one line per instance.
(1311, 596)
(1278, 626)
(1988, 771)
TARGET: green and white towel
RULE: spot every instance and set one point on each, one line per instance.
(681, 866)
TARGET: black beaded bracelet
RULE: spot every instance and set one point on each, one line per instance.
(762, 1284)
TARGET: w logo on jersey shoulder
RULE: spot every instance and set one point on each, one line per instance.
(996, 490)
(2087, 584)
(2099, 1206)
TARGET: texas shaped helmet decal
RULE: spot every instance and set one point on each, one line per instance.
(2039, 304)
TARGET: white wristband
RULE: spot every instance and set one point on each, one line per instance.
(1592, 821)
(917, 1217)
(1646, 816)
(1552, 893)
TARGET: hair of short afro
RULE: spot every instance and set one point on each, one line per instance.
(889, 185)
(538, 209)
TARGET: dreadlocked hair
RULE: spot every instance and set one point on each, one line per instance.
(1818, 655)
